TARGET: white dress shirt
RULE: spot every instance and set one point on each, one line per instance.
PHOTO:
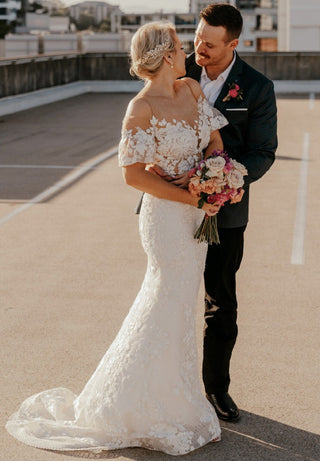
(212, 88)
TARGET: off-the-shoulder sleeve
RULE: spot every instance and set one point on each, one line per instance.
(215, 119)
(137, 145)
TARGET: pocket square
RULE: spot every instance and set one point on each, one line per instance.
(239, 109)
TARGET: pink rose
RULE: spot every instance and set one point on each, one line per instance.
(211, 198)
(220, 199)
(233, 93)
(192, 172)
(228, 167)
(237, 87)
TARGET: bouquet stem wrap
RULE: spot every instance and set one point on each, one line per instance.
(208, 230)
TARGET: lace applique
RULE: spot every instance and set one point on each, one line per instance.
(138, 146)
(176, 146)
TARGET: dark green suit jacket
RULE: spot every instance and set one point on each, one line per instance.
(251, 136)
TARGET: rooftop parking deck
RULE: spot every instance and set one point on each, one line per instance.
(72, 264)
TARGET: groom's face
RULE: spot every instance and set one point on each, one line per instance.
(211, 45)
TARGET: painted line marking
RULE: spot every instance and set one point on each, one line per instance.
(253, 438)
(312, 98)
(269, 445)
(54, 167)
(298, 253)
(61, 184)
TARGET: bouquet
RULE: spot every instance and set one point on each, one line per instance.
(217, 179)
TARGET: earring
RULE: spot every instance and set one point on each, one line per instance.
(171, 66)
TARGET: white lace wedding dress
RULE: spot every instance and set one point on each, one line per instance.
(146, 391)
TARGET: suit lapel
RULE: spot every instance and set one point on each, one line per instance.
(233, 77)
(195, 72)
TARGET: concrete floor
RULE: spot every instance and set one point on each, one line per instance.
(72, 264)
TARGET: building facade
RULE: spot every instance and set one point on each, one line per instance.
(100, 11)
(259, 22)
(9, 10)
(299, 25)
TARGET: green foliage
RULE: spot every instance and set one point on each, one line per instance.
(85, 21)
(104, 26)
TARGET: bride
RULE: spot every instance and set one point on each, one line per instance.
(146, 391)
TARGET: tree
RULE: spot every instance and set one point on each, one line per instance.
(86, 21)
(5, 29)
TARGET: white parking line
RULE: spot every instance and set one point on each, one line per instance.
(53, 167)
(298, 253)
(263, 442)
(61, 184)
(312, 98)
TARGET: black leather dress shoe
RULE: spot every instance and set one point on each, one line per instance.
(225, 407)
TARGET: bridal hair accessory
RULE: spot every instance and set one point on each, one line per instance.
(156, 52)
(217, 179)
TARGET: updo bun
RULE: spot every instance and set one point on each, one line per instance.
(148, 47)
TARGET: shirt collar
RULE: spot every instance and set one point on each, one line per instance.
(223, 75)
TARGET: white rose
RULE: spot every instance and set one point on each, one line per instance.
(235, 179)
(238, 166)
(216, 166)
(220, 182)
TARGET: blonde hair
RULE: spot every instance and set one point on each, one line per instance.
(148, 47)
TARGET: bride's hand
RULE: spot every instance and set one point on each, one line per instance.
(158, 171)
(238, 197)
(181, 180)
(211, 209)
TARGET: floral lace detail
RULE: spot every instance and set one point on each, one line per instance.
(174, 145)
(146, 390)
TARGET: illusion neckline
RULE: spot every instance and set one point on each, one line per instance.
(175, 122)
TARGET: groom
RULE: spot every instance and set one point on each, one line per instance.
(246, 98)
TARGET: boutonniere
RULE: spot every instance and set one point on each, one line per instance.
(234, 92)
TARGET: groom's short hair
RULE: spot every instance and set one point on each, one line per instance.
(225, 15)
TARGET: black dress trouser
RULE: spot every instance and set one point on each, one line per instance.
(220, 331)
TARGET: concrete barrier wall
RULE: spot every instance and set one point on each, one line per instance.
(286, 66)
(21, 45)
(30, 74)
(22, 75)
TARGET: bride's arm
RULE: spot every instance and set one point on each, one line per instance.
(215, 143)
(135, 151)
(138, 177)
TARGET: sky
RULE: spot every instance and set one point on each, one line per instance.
(141, 6)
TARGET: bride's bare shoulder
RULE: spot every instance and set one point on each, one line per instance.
(193, 86)
(138, 113)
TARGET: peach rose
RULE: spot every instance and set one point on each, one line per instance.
(194, 186)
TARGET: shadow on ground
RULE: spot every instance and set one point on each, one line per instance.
(253, 438)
